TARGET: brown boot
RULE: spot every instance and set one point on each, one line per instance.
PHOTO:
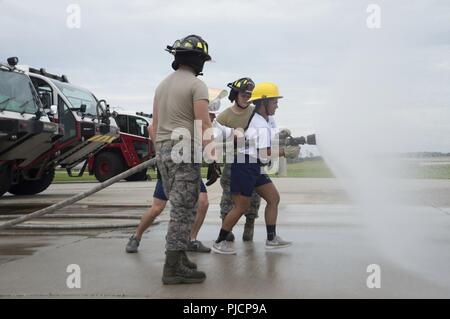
(175, 272)
(248, 229)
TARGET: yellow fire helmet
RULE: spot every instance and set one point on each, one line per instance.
(265, 90)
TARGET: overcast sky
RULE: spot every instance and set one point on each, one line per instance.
(314, 50)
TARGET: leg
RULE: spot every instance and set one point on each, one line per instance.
(194, 244)
(181, 183)
(222, 245)
(183, 197)
(250, 215)
(270, 194)
(241, 204)
(202, 209)
(243, 179)
(148, 218)
(226, 204)
(158, 205)
(226, 201)
(252, 212)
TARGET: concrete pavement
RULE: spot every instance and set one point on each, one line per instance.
(329, 258)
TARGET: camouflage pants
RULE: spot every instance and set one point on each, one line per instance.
(226, 202)
(181, 183)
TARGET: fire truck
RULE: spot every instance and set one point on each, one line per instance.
(85, 126)
(132, 147)
(26, 133)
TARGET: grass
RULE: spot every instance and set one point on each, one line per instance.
(431, 172)
(61, 176)
(304, 169)
(309, 169)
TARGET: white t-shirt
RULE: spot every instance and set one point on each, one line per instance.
(273, 125)
(259, 135)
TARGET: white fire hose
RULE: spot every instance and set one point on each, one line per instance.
(79, 196)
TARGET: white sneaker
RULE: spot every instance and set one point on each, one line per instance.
(277, 242)
(224, 248)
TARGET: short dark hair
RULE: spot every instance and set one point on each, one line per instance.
(259, 103)
(233, 95)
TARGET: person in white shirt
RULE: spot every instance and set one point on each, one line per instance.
(247, 173)
(221, 132)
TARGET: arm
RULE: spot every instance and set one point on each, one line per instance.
(280, 152)
(151, 133)
(222, 131)
(201, 113)
(288, 151)
(154, 126)
(266, 145)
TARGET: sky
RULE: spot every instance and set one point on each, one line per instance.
(318, 52)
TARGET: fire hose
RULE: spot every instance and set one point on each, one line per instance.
(79, 196)
(152, 162)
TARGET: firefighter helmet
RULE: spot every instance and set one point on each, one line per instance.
(265, 90)
(243, 85)
(190, 44)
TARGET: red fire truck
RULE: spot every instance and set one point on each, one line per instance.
(132, 147)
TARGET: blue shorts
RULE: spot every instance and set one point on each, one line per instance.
(159, 190)
(245, 177)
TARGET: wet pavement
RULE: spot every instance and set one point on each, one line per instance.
(329, 257)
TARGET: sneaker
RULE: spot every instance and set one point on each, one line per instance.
(230, 237)
(224, 247)
(277, 242)
(133, 244)
(197, 246)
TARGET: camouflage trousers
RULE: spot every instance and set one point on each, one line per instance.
(181, 183)
(226, 202)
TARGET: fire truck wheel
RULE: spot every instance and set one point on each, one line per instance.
(31, 187)
(5, 179)
(107, 165)
(139, 176)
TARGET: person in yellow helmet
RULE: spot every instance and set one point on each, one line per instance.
(247, 174)
(237, 116)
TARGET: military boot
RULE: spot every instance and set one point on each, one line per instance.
(248, 229)
(175, 272)
(185, 260)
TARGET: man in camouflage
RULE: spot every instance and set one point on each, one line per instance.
(180, 99)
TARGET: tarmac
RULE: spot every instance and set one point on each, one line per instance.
(329, 257)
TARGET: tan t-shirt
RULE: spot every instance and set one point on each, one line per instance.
(235, 120)
(174, 98)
